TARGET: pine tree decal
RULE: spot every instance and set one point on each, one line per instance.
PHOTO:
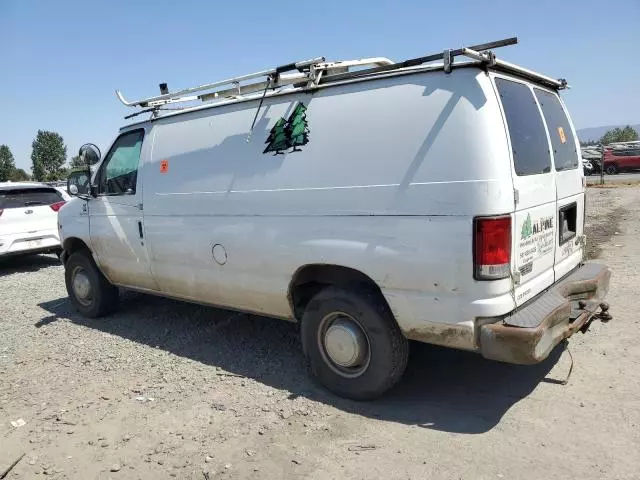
(296, 129)
(527, 230)
(277, 141)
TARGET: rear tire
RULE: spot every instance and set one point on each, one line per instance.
(352, 343)
(611, 169)
(89, 291)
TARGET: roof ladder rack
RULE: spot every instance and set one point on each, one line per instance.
(308, 71)
(317, 71)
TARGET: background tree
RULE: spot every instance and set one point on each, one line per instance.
(19, 175)
(76, 163)
(48, 156)
(7, 163)
(626, 134)
(629, 134)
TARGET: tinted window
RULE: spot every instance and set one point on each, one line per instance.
(625, 153)
(120, 169)
(26, 197)
(528, 137)
(565, 154)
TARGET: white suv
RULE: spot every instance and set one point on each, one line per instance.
(29, 218)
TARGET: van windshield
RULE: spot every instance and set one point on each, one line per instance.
(529, 144)
(565, 153)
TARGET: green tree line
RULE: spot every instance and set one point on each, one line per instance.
(48, 159)
(626, 134)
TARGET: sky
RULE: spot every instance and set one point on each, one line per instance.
(61, 61)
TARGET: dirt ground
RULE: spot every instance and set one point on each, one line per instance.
(163, 389)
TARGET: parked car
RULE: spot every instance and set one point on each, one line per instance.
(621, 159)
(437, 204)
(587, 167)
(29, 218)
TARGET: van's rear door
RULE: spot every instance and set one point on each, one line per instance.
(534, 182)
(569, 239)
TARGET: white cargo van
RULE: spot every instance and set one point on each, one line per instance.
(372, 202)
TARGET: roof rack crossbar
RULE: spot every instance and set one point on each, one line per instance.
(490, 59)
(414, 62)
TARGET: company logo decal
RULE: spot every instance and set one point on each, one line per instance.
(291, 133)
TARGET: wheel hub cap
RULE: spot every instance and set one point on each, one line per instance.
(81, 285)
(345, 343)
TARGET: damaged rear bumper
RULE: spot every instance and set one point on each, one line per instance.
(530, 333)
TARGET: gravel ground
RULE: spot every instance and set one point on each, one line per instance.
(163, 389)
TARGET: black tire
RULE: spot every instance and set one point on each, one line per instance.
(388, 349)
(103, 297)
(611, 169)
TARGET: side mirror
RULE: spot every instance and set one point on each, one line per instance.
(78, 183)
(90, 153)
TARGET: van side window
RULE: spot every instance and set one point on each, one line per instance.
(531, 154)
(565, 154)
(119, 171)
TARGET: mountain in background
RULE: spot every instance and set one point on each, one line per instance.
(596, 133)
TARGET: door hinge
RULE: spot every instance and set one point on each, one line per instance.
(516, 196)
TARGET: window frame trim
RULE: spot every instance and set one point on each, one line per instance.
(103, 165)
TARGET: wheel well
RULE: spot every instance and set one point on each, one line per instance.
(72, 245)
(310, 279)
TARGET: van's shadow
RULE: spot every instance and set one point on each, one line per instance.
(26, 263)
(442, 389)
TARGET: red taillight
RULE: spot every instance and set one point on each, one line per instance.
(492, 247)
(57, 206)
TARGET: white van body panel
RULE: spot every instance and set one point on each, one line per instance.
(74, 223)
(389, 183)
(393, 174)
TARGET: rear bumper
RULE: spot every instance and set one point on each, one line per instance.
(528, 335)
(36, 242)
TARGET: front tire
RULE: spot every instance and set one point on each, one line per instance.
(352, 343)
(89, 291)
(611, 169)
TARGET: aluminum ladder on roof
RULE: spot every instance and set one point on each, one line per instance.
(317, 71)
(308, 70)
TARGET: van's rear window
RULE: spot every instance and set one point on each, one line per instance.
(25, 197)
(565, 154)
(531, 154)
